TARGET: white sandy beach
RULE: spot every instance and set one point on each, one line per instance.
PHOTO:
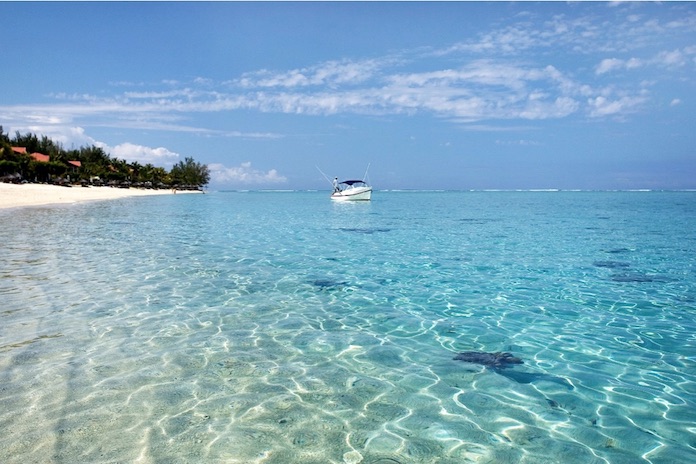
(14, 196)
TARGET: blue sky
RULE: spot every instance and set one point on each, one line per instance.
(453, 95)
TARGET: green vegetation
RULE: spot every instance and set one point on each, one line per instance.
(95, 166)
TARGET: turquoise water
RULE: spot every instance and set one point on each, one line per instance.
(241, 327)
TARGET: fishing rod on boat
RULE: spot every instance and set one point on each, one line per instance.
(331, 182)
(368, 168)
(325, 176)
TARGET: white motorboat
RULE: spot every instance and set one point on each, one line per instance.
(352, 190)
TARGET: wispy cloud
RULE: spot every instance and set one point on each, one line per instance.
(329, 74)
(520, 142)
(664, 59)
(518, 71)
(243, 175)
(602, 106)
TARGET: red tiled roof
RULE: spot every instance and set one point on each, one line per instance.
(20, 150)
(40, 157)
(77, 164)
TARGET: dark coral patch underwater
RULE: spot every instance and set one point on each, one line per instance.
(497, 360)
(611, 264)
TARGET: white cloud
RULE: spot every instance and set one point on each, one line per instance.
(68, 136)
(243, 175)
(545, 109)
(666, 59)
(71, 137)
(614, 64)
(609, 64)
(516, 84)
(602, 106)
(671, 58)
(489, 128)
(330, 73)
(521, 143)
(480, 90)
(485, 89)
(131, 152)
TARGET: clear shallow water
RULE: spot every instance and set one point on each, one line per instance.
(283, 328)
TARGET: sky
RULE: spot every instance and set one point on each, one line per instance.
(444, 95)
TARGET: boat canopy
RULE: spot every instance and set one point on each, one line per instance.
(351, 182)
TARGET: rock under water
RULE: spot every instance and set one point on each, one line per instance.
(497, 360)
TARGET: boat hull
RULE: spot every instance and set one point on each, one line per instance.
(353, 194)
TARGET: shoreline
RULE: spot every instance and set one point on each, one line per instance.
(23, 195)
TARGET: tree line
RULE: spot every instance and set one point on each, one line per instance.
(96, 167)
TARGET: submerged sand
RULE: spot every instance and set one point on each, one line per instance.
(14, 196)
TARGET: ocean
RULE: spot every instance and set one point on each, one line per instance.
(279, 327)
